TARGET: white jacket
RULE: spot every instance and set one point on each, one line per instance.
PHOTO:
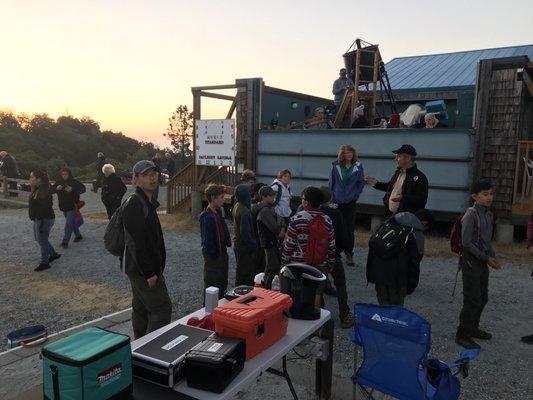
(283, 199)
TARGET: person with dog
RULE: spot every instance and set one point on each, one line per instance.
(68, 190)
(144, 254)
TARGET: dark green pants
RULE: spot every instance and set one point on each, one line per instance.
(216, 274)
(245, 260)
(151, 306)
(339, 278)
(390, 296)
(272, 265)
(475, 293)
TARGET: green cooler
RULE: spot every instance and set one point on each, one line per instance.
(93, 364)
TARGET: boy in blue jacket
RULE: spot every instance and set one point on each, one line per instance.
(215, 240)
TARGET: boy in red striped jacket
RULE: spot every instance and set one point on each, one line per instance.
(296, 240)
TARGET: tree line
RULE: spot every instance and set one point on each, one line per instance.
(40, 142)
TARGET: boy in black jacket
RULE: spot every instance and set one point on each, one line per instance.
(477, 256)
(215, 240)
(269, 231)
(245, 245)
(144, 254)
(396, 274)
(341, 238)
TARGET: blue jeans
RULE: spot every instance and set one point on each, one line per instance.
(69, 227)
(41, 232)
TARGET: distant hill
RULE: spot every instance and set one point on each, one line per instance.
(40, 142)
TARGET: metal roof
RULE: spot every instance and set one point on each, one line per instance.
(445, 70)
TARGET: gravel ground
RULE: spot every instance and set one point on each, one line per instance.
(86, 283)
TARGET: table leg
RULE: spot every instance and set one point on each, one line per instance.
(324, 369)
(285, 374)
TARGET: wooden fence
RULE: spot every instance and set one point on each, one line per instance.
(16, 189)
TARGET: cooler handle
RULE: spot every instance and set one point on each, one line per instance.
(55, 381)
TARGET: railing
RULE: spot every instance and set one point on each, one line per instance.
(180, 187)
(523, 180)
(16, 189)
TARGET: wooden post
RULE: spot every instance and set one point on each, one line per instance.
(4, 187)
(197, 114)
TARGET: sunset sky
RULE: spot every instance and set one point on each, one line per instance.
(129, 64)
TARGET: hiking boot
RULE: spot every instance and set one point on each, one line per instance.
(331, 291)
(481, 334)
(466, 342)
(349, 260)
(54, 257)
(42, 267)
(64, 245)
(528, 339)
(347, 321)
(78, 239)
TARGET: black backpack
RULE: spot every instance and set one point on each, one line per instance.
(390, 239)
(114, 240)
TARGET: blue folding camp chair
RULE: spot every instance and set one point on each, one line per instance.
(396, 344)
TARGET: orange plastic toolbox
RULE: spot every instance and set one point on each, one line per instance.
(257, 317)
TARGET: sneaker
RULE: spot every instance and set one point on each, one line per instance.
(78, 239)
(42, 267)
(528, 339)
(347, 321)
(349, 260)
(64, 245)
(466, 342)
(481, 334)
(54, 257)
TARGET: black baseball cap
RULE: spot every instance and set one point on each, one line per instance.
(143, 166)
(406, 149)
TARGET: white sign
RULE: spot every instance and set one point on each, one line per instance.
(215, 142)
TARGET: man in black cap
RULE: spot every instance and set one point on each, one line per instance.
(407, 190)
(144, 253)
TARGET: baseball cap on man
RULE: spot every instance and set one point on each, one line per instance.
(143, 166)
(406, 149)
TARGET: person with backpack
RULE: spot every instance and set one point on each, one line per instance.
(245, 244)
(341, 242)
(144, 254)
(529, 339)
(215, 240)
(407, 190)
(346, 183)
(41, 212)
(269, 231)
(282, 203)
(476, 257)
(394, 254)
(113, 189)
(310, 238)
(68, 190)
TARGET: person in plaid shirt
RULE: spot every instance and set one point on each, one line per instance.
(295, 245)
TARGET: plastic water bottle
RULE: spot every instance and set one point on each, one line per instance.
(258, 280)
(275, 284)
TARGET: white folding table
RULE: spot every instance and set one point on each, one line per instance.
(297, 331)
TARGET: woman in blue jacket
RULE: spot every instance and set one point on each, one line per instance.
(346, 183)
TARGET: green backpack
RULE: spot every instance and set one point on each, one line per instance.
(93, 364)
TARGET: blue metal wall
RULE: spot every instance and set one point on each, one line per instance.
(443, 155)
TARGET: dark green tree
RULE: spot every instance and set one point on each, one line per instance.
(179, 132)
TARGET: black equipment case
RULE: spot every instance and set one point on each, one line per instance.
(213, 364)
(160, 360)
